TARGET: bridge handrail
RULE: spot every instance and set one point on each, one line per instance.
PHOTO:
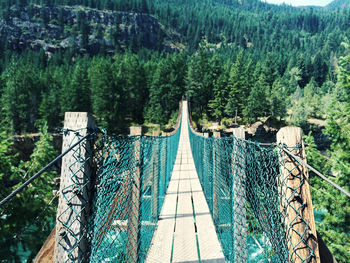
(44, 169)
(126, 192)
(341, 189)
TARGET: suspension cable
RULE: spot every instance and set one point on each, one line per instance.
(316, 172)
(31, 179)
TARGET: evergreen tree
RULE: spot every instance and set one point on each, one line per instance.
(278, 99)
(105, 95)
(199, 86)
(21, 97)
(220, 92)
(36, 199)
(237, 86)
(76, 92)
(257, 105)
(166, 90)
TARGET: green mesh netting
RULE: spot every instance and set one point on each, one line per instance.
(126, 193)
(242, 183)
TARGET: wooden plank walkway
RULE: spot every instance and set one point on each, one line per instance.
(185, 231)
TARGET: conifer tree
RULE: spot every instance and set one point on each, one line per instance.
(237, 87)
(257, 105)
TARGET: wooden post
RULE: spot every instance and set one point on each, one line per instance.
(239, 198)
(133, 225)
(46, 253)
(155, 178)
(73, 204)
(206, 161)
(295, 199)
(163, 163)
(216, 161)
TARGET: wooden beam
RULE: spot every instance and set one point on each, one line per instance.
(155, 180)
(216, 166)
(133, 226)
(74, 194)
(239, 196)
(295, 199)
(47, 251)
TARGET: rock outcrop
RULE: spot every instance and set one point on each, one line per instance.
(84, 30)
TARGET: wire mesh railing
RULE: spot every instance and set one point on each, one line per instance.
(28, 208)
(127, 186)
(245, 186)
(130, 188)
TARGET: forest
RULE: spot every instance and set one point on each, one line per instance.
(237, 57)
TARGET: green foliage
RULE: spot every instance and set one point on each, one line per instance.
(238, 86)
(167, 88)
(235, 39)
(20, 97)
(278, 99)
(35, 205)
(220, 89)
(257, 104)
(8, 162)
(75, 95)
(246, 56)
(105, 94)
(199, 81)
(335, 225)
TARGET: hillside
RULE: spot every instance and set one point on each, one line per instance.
(84, 30)
(338, 4)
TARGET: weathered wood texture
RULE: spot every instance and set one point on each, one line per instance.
(239, 196)
(216, 163)
(46, 253)
(75, 239)
(184, 205)
(296, 203)
(133, 225)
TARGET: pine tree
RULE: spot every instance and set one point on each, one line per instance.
(258, 105)
(278, 99)
(237, 86)
(21, 97)
(166, 89)
(220, 91)
(105, 95)
(36, 200)
(199, 86)
(75, 94)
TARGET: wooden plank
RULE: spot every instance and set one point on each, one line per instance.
(160, 250)
(46, 253)
(209, 245)
(292, 176)
(185, 245)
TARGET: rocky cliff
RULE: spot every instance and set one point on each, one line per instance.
(84, 30)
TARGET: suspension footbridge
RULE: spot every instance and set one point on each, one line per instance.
(181, 197)
(185, 231)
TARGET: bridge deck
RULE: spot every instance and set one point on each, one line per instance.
(185, 231)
